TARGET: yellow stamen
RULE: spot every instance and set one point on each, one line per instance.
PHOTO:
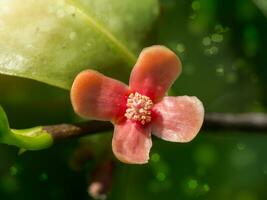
(138, 108)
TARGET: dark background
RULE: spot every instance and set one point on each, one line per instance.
(222, 45)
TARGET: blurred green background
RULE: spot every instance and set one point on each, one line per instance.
(222, 45)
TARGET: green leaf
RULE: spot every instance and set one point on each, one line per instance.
(53, 40)
(29, 139)
(262, 5)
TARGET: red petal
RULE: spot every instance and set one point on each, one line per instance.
(178, 119)
(96, 96)
(132, 142)
(156, 69)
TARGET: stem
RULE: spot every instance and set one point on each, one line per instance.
(64, 131)
(42, 137)
(256, 122)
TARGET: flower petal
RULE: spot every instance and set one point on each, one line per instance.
(178, 119)
(96, 96)
(156, 69)
(132, 142)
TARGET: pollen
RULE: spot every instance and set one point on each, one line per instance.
(139, 108)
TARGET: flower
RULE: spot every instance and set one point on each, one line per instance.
(141, 108)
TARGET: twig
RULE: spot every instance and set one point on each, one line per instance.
(256, 122)
(65, 131)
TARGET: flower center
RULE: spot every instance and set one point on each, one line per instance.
(139, 108)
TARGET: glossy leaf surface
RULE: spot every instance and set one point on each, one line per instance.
(53, 40)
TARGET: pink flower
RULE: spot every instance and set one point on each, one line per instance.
(142, 108)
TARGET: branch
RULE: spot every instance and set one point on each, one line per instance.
(65, 131)
(42, 137)
(256, 122)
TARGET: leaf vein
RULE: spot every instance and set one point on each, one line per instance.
(127, 54)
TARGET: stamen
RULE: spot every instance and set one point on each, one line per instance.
(138, 108)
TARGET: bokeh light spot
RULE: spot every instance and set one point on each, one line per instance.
(155, 157)
(206, 41)
(13, 171)
(43, 177)
(205, 155)
(180, 48)
(231, 78)
(196, 5)
(217, 37)
(241, 146)
(206, 187)
(192, 184)
(211, 51)
(161, 176)
(220, 70)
